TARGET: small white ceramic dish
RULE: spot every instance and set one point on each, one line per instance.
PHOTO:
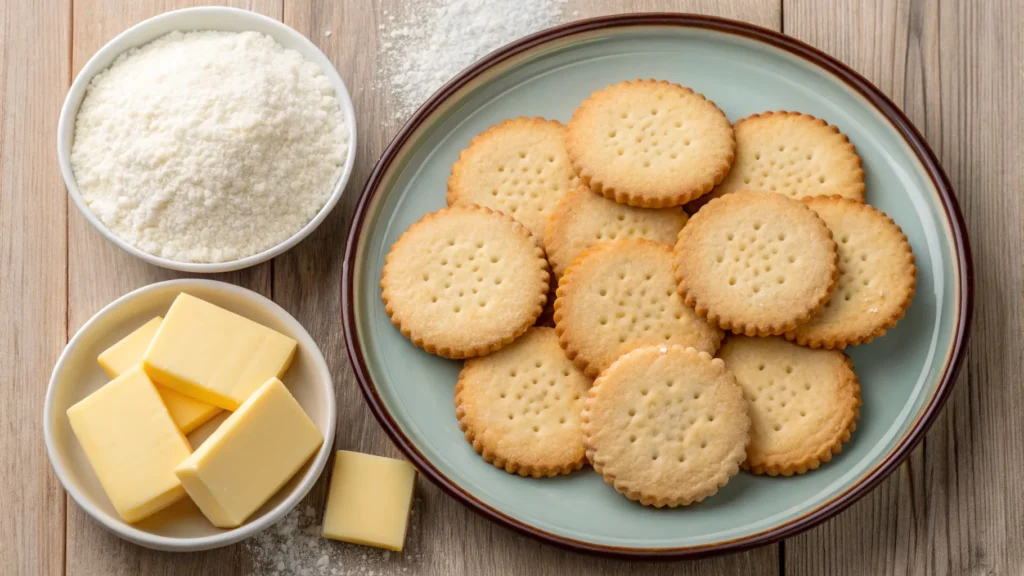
(203, 18)
(181, 527)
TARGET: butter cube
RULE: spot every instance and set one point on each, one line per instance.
(132, 444)
(370, 500)
(216, 356)
(187, 413)
(128, 351)
(250, 456)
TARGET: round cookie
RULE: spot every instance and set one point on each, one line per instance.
(464, 281)
(756, 263)
(519, 167)
(793, 154)
(649, 143)
(547, 316)
(584, 219)
(877, 276)
(520, 407)
(804, 403)
(666, 426)
(620, 296)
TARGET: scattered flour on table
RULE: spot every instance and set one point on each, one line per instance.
(436, 39)
(294, 547)
(208, 146)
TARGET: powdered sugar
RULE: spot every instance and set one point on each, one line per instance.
(208, 146)
(439, 38)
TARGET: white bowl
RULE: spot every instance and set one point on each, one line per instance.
(204, 18)
(181, 527)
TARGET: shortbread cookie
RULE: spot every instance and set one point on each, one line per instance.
(877, 276)
(620, 296)
(584, 219)
(520, 407)
(794, 154)
(666, 426)
(650, 143)
(464, 281)
(518, 167)
(756, 263)
(804, 403)
(547, 317)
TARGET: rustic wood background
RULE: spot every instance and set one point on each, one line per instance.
(954, 508)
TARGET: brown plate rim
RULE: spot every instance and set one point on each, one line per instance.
(774, 39)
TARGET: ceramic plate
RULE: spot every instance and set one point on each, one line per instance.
(905, 376)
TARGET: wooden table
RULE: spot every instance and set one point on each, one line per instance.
(954, 508)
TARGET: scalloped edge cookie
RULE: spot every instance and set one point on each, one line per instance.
(748, 154)
(625, 181)
(498, 144)
(845, 405)
(840, 336)
(729, 420)
(593, 357)
(584, 219)
(701, 286)
(484, 343)
(543, 456)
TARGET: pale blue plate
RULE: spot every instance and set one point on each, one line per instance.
(905, 375)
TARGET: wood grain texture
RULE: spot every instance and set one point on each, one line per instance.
(99, 272)
(446, 538)
(953, 509)
(954, 67)
(33, 281)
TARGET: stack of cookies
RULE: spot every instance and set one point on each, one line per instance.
(638, 376)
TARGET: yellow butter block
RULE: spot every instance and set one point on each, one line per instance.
(187, 413)
(216, 356)
(132, 444)
(370, 500)
(250, 456)
(128, 351)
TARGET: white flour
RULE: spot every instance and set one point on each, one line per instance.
(208, 146)
(437, 39)
(293, 547)
(422, 49)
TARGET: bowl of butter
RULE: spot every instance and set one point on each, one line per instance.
(189, 415)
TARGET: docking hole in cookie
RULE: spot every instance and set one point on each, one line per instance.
(619, 296)
(804, 403)
(755, 263)
(520, 406)
(464, 281)
(666, 425)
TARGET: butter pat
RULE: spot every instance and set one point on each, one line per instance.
(132, 444)
(128, 351)
(216, 356)
(250, 456)
(369, 500)
(187, 413)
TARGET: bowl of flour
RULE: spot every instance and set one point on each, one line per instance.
(207, 139)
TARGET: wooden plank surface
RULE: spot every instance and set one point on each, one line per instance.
(446, 538)
(99, 272)
(33, 280)
(955, 508)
